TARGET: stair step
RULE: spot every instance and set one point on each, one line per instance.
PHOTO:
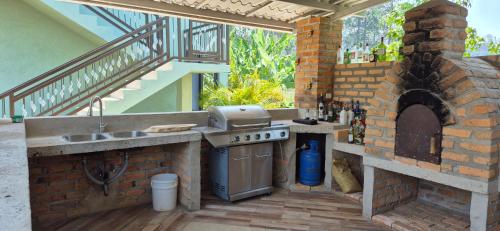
(111, 98)
(134, 85)
(150, 76)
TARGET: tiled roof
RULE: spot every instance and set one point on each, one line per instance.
(270, 14)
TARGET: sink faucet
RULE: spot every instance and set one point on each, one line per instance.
(101, 125)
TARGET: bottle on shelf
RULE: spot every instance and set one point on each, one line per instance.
(357, 110)
(340, 55)
(338, 108)
(381, 51)
(358, 131)
(350, 113)
(352, 55)
(347, 58)
(321, 108)
(343, 116)
(350, 137)
(331, 112)
(373, 56)
(366, 54)
(359, 53)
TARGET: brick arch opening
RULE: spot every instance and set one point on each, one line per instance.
(419, 134)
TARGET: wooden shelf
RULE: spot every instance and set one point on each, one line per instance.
(355, 149)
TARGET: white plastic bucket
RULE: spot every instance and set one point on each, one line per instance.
(164, 191)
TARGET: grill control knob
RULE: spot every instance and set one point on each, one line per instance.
(257, 136)
(268, 135)
(282, 134)
(236, 139)
(247, 137)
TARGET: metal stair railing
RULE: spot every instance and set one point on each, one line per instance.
(66, 89)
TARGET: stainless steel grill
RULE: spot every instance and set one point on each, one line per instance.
(241, 153)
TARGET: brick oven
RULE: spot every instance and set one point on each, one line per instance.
(435, 122)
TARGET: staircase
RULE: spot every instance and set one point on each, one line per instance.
(143, 61)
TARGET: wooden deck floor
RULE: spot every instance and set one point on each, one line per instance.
(280, 211)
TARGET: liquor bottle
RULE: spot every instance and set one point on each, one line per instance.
(366, 54)
(350, 114)
(343, 116)
(381, 48)
(338, 108)
(331, 113)
(350, 137)
(340, 56)
(359, 53)
(373, 56)
(347, 59)
(358, 132)
(357, 110)
(321, 109)
(352, 55)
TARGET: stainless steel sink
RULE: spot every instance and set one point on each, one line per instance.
(130, 134)
(83, 138)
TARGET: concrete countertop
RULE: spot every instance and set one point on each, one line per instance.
(321, 127)
(15, 213)
(57, 145)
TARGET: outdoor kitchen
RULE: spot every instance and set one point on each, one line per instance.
(410, 145)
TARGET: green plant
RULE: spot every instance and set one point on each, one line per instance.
(394, 21)
(243, 91)
(473, 41)
(262, 65)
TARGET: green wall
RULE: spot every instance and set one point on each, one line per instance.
(33, 42)
(165, 100)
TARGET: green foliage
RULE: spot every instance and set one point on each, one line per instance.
(262, 65)
(391, 17)
(270, 54)
(473, 41)
(244, 91)
(494, 46)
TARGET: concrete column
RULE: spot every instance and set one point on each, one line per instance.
(224, 79)
(368, 187)
(479, 212)
(328, 161)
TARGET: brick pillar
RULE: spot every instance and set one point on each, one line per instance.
(317, 44)
(435, 28)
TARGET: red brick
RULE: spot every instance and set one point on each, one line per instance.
(427, 165)
(482, 148)
(405, 160)
(482, 173)
(463, 133)
(135, 192)
(455, 156)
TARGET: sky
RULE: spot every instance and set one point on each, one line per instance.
(484, 15)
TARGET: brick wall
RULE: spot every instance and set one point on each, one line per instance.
(317, 44)
(446, 196)
(392, 189)
(60, 189)
(492, 59)
(358, 81)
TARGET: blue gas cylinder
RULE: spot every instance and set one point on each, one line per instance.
(310, 165)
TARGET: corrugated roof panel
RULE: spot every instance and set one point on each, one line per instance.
(282, 11)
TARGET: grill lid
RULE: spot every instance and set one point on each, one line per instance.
(238, 117)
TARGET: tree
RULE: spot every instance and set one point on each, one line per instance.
(262, 65)
(390, 19)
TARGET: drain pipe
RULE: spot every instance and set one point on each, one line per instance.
(105, 180)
